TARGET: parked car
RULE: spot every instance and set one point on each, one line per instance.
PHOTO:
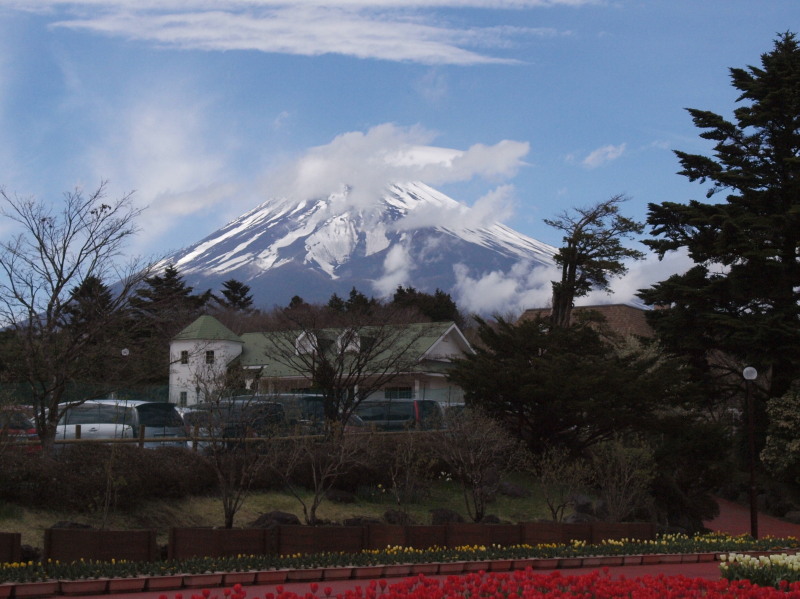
(235, 418)
(123, 419)
(306, 413)
(16, 427)
(401, 414)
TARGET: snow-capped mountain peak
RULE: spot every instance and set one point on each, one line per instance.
(412, 235)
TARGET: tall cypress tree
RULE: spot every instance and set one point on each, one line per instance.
(160, 309)
(236, 296)
(741, 299)
(167, 296)
(592, 253)
(439, 306)
(90, 313)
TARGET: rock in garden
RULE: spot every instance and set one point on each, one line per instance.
(360, 521)
(339, 496)
(273, 519)
(512, 490)
(442, 515)
(396, 517)
(579, 518)
(582, 504)
(30, 553)
(67, 524)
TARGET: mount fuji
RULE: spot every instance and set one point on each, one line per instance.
(412, 236)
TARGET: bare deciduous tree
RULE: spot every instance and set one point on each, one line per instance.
(406, 458)
(477, 450)
(623, 473)
(54, 250)
(345, 356)
(317, 461)
(226, 431)
(561, 476)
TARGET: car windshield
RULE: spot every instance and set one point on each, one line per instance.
(248, 413)
(98, 414)
(372, 412)
(402, 411)
(313, 408)
(159, 415)
(260, 414)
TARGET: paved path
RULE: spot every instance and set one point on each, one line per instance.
(733, 519)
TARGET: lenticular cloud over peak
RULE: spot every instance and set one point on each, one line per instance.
(365, 163)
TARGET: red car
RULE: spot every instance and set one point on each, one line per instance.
(15, 427)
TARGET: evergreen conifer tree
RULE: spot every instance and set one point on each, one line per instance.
(741, 298)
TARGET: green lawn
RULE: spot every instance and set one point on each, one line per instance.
(207, 511)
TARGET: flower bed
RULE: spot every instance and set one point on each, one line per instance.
(777, 570)
(530, 585)
(667, 544)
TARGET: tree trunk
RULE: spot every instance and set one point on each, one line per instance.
(562, 306)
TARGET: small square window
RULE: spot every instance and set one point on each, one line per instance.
(209, 357)
(398, 393)
(184, 357)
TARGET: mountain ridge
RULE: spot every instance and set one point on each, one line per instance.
(413, 235)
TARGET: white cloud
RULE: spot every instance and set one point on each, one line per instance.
(660, 145)
(499, 161)
(603, 155)
(280, 120)
(365, 163)
(432, 86)
(642, 274)
(389, 30)
(161, 146)
(397, 266)
(525, 287)
(495, 206)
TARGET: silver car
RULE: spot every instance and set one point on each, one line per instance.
(123, 419)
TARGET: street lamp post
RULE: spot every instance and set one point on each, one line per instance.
(750, 374)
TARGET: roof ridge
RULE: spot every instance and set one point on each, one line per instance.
(207, 327)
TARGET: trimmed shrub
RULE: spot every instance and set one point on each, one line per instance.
(84, 477)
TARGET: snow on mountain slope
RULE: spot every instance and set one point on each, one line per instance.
(413, 235)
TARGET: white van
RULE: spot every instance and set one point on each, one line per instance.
(122, 419)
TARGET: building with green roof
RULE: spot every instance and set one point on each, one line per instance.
(405, 360)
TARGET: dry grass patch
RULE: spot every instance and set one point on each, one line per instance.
(207, 511)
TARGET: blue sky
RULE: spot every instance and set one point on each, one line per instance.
(207, 108)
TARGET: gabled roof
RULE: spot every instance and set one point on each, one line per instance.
(419, 338)
(207, 328)
(457, 337)
(623, 319)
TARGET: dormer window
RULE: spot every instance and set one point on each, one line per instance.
(349, 341)
(305, 343)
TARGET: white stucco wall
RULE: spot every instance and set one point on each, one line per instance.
(448, 347)
(197, 377)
